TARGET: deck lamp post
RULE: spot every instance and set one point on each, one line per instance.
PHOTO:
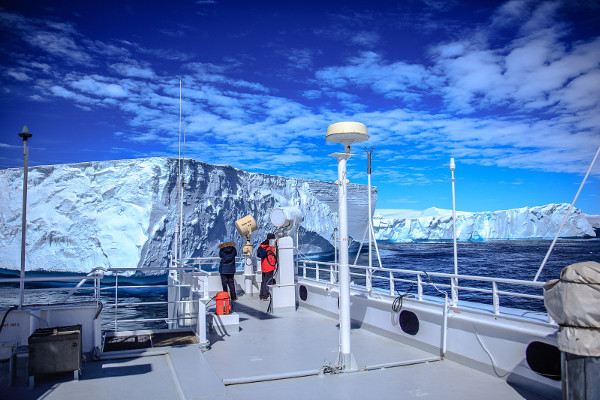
(455, 281)
(345, 133)
(25, 134)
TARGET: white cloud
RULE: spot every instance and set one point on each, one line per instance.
(18, 75)
(367, 39)
(395, 80)
(57, 44)
(311, 94)
(62, 92)
(41, 66)
(133, 71)
(544, 86)
(95, 87)
(214, 74)
(300, 58)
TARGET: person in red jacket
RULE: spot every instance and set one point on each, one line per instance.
(268, 264)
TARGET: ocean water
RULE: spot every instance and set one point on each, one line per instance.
(516, 259)
(512, 259)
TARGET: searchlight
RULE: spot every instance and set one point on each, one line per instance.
(245, 226)
(286, 217)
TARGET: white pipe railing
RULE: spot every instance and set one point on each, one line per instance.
(390, 278)
(94, 278)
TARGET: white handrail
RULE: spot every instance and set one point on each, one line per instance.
(92, 273)
(387, 274)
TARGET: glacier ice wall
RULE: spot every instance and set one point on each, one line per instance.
(521, 223)
(123, 213)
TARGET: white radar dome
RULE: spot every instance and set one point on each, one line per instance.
(347, 132)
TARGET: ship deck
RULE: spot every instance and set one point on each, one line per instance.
(267, 345)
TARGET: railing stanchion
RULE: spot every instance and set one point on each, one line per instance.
(392, 285)
(419, 288)
(445, 326)
(368, 282)
(331, 274)
(454, 290)
(495, 298)
(116, 289)
(317, 272)
(304, 269)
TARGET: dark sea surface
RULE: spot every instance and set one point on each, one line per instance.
(516, 259)
(511, 259)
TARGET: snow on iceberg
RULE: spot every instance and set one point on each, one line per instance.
(521, 223)
(124, 213)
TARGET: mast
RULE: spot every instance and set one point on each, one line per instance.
(370, 213)
(454, 290)
(179, 240)
(25, 134)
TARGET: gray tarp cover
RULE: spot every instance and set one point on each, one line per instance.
(574, 302)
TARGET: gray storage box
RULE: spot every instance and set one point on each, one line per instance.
(53, 350)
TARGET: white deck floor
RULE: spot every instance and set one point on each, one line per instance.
(267, 344)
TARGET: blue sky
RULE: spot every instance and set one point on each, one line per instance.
(510, 89)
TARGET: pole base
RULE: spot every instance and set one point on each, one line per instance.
(347, 362)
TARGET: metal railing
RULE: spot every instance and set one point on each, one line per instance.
(389, 281)
(122, 304)
(114, 296)
(48, 287)
(192, 267)
(208, 264)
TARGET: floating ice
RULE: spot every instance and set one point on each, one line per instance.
(520, 223)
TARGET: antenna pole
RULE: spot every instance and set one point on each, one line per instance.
(370, 219)
(344, 269)
(179, 187)
(344, 133)
(454, 287)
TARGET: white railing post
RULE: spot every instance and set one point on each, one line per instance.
(96, 281)
(419, 288)
(445, 326)
(368, 282)
(392, 285)
(331, 274)
(304, 269)
(116, 295)
(454, 290)
(205, 286)
(495, 298)
(317, 272)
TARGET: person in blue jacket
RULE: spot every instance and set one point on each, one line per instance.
(227, 253)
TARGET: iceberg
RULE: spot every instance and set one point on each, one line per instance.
(432, 224)
(123, 214)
